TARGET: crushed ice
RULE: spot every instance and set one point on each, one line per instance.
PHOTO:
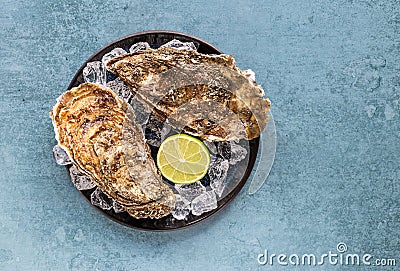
(238, 153)
(119, 87)
(177, 44)
(181, 209)
(217, 173)
(115, 52)
(190, 191)
(224, 149)
(204, 203)
(118, 208)
(210, 146)
(155, 131)
(231, 151)
(139, 46)
(80, 180)
(61, 156)
(141, 112)
(98, 198)
(95, 72)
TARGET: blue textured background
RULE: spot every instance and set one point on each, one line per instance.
(331, 69)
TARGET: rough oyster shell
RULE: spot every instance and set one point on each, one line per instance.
(173, 82)
(97, 130)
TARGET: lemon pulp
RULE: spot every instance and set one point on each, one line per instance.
(183, 159)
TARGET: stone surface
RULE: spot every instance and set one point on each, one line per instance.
(336, 174)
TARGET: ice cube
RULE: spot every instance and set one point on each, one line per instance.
(80, 180)
(141, 112)
(139, 46)
(190, 191)
(156, 131)
(95, 72)
(98, 198)
(250, 74)
(181, 208)
(177, 44)
(119, 87)
(118, 208)
(61, 156)
(238, 153)
(115, 52)
(210, 146)
(205, 181)
(213, 157)
(165, 131)
(204, 203)
(217, 174)
(224, 149)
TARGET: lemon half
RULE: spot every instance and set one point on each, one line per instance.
(183, 159)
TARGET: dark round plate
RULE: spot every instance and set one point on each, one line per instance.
(242, 169)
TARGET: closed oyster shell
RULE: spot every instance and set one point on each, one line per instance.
(97, 130)
(172, 82)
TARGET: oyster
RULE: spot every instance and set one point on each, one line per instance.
(97, 130)
(205, 95)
